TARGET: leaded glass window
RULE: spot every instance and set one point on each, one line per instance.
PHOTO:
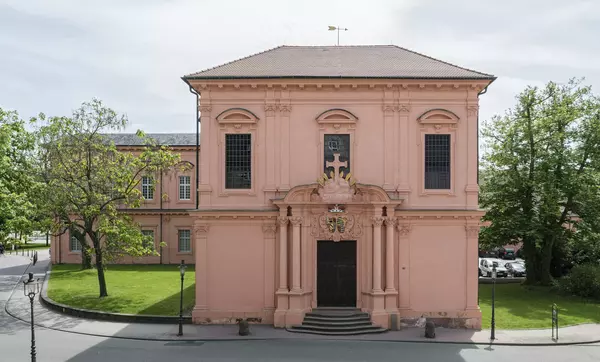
(147, 187)
(336, 143)
(74, 244)
(238, 161)
(437, 161)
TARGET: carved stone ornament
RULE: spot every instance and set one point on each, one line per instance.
(205, 109)
(404, 229)
(391, 221)
(472, 110)
(270, 109)
(472, 231)
(377, 220)
(269, 230)
(282, 220)
(296, 220)
(201, 229)
(336, 226)
(335, 188)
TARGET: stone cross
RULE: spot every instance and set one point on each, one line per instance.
(336, 164)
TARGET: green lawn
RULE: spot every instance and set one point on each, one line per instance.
(521, 307)
(132, 289)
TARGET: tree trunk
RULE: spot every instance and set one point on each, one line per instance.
(100, 266)
(47, 237)
(86, 258)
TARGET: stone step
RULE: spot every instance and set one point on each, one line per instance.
(309, 322)
(338, 333)
(336, 328)
(326, 320)
(337, 315)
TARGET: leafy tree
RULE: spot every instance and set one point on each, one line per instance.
(88, 180)
(542, 172)
(18, 186)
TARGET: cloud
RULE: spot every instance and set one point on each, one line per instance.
(132, 53)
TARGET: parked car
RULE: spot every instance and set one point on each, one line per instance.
(515, 269)
(486, 266)
(506, 253)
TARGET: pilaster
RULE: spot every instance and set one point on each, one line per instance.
(285, 108)
(472, 189)
(282, 290)
(269, 143)
(389, 127)
(403, 152)
(203, 189)
(472, 282)
(404, 264)
(269, 230)
(201, 231)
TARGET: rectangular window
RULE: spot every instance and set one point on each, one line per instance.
(185, 187)
(238, 161)
(184, 244)
(147, 188)
(148, 239)
(336, 144)
(74, 244)
(437, 161)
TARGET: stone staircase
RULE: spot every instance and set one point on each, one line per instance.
(337, 322)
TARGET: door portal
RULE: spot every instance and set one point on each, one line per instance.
(336, 273)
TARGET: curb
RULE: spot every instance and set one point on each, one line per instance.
(103, 316)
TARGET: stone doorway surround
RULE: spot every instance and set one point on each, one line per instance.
(302, 221)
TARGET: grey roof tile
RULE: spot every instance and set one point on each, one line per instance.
(168, 139)
(368, 61)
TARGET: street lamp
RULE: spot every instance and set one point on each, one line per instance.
(182, 273)
(30, 289)
(493, 336)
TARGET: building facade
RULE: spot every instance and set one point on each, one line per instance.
(337, 177)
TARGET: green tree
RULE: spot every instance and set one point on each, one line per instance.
(18, 186)
(541, 169)
(88, 180)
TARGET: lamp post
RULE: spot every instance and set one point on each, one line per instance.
(30, 289)
(182, 273)
(493, 335)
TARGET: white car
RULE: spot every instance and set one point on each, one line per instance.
(486, 267)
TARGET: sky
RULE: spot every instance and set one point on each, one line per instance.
(131, 54)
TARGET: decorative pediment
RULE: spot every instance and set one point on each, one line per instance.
(336, 116)
(237, 116)
(438, 116)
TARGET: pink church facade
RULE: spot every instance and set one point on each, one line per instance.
(336, 177)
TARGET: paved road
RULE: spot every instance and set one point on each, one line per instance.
(55, 346)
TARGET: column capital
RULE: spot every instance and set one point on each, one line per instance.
(296, 220)
(377, 220)
(391, 221)
(201, 229)
(404, 229)
(282, 220)
(472, 231)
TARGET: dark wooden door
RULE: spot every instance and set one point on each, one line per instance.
(336, 273)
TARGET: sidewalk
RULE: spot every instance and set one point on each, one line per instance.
(18, 306)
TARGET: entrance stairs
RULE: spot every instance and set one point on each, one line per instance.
(337, 322)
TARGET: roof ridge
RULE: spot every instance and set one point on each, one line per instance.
(441, 61)
(232, 61)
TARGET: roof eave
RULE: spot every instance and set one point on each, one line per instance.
(190, 77)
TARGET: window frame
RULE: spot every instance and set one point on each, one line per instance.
(229, 136)
(179, 231)
(153, 236)
(350, 147)
(450, 170)
(189, 187)
(76, 250)
(149, 187)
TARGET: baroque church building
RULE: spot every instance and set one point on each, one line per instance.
(333, 176)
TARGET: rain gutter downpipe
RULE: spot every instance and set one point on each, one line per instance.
(193, 91)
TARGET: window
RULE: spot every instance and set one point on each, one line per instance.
(147, 188)
(185, 191)
(184, 244)
(437, 161)
(336, 143)
(74, 244)
(238, 161)
(148, 242)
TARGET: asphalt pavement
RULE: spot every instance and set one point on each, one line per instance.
(55, 345)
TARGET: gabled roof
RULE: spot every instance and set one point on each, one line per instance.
(167, 139)
(368, 61)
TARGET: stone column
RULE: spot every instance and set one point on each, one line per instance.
(390, 222)
(472, 265)
(199, 314)
(296, 222)
(377, 222)
(283, 285)
(404, 265)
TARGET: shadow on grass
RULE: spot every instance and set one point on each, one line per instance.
(170, 305)
(525, 307)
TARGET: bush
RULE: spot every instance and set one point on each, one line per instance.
(583, 281)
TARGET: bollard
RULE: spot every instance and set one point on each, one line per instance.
(244, 327)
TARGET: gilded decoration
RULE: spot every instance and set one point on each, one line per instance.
(336, 188)
(336, 224)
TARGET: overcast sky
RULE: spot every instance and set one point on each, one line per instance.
(131, 53)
